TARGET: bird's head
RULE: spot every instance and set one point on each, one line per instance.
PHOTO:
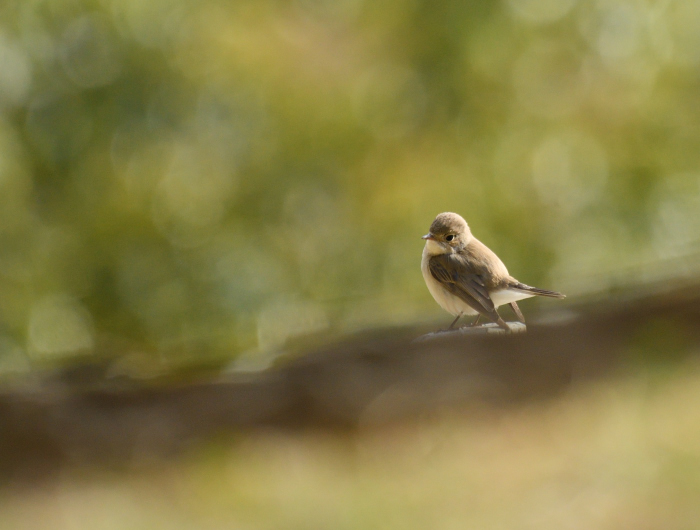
(448, 233)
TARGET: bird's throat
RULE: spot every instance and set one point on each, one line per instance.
(433, 248)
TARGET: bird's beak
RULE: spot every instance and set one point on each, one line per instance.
(429, 236)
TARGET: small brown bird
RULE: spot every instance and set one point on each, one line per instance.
(465, 277)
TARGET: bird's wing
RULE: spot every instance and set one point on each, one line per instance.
(462, 279)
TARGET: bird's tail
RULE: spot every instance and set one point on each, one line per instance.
(538, 292)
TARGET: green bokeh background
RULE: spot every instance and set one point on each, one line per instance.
(189, 182)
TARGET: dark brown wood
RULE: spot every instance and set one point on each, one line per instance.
(364, 380)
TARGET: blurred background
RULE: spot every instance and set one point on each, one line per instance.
(195, 183)
(188, 182)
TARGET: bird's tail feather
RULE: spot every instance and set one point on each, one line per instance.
(538, 292)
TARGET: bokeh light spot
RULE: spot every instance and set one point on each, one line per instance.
(550, 80)
(570, 170)
(88, 52)
(541, 11)
(15, 74)
(59, 324)
(287, 318)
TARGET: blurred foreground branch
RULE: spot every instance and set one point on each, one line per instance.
(364, 381)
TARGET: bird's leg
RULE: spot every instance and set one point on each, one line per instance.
(476, 321)
(518, 313)
(500, 321)
(454, 322)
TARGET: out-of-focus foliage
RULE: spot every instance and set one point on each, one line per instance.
(191, 180)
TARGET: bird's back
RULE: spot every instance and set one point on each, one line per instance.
(486, 264)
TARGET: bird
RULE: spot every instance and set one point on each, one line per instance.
(466, 277)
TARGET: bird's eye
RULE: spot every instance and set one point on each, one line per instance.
(450, 237)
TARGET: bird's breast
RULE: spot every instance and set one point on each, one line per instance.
(449, 302)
